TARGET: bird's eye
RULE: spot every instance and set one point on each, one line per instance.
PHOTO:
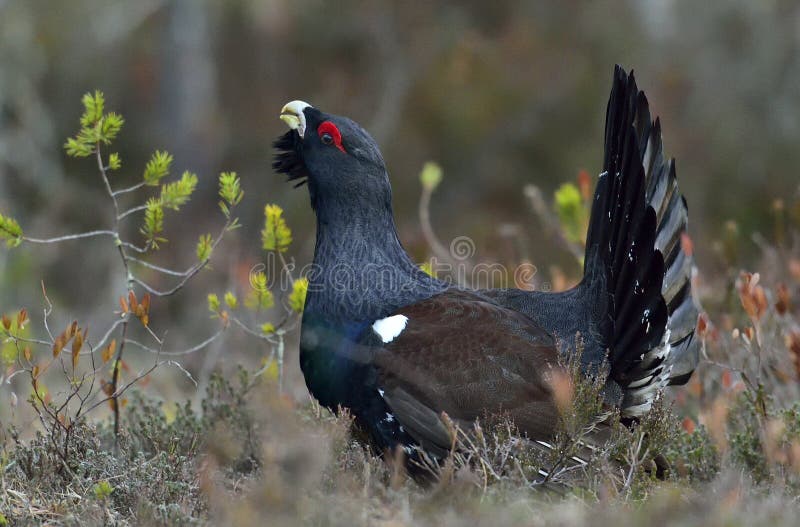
(330, 135)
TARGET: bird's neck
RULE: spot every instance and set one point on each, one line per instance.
(361, 271)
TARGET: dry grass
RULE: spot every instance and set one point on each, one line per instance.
(251, 457)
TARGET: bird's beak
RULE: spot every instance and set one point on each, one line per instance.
(292, 114)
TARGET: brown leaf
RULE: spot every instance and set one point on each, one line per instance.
(75, 358)
(585, 184)
(22, 318)
(132, 300)
(752, 295)
(782, 305)
(702, 325)
(77, 344)
(59, 344)
(727, 379)
(794, 269)
(107, 387)
(146, 302)
(687, 244)
(107, 352)
(72, 329)
(123, 305)
(6, 322)
(688, 425)
(792, 340)
(27, 353)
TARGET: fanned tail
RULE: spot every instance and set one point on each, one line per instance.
(636, 258)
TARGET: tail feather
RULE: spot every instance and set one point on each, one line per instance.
(635, 255)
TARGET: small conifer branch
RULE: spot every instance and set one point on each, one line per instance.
(69, 237)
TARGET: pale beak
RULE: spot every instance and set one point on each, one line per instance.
(292, 114)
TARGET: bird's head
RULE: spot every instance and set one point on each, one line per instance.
(338, 159)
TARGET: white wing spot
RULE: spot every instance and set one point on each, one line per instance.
(390, 327)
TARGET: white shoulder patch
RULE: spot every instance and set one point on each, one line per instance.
(390, 327)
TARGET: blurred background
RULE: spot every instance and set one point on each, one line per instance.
(501, 94)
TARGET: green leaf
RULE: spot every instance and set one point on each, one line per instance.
(230, 191)
(213, 303)
(276, 235)
(270, 368)
(93, 108)
(78, 148)
(297, 298)
(204, 248)
(427, 268)
(177, 193)
(157, 168)
(10, 231)
(96, 127)
(109, 127)
(571, 211)
(259, 297)
(114, 162)
(268, 328)
(102, 490)
(153, 222)
(231, 301)
(431, 175)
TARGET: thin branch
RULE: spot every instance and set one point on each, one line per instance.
(69, 237)
(99, 344)
(188, 351)
(436, 246)
(136, 248)
(47, 310)
(249, 331)
(129, 189)
(540, 208)
(158, 268)
(131, 211)
(189, 272)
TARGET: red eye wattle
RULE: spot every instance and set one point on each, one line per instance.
(330, 135)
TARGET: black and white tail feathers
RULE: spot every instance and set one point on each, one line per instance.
(635, 255)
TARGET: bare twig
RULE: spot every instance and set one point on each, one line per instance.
(129, 189)
(551, 223)
(68, 237)
(188, 351)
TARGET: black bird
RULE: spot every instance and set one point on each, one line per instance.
(398, 348)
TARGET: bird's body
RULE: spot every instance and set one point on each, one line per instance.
(399, 348)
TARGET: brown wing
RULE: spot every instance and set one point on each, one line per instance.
(461, 354)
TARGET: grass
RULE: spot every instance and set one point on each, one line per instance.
(247, 455)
